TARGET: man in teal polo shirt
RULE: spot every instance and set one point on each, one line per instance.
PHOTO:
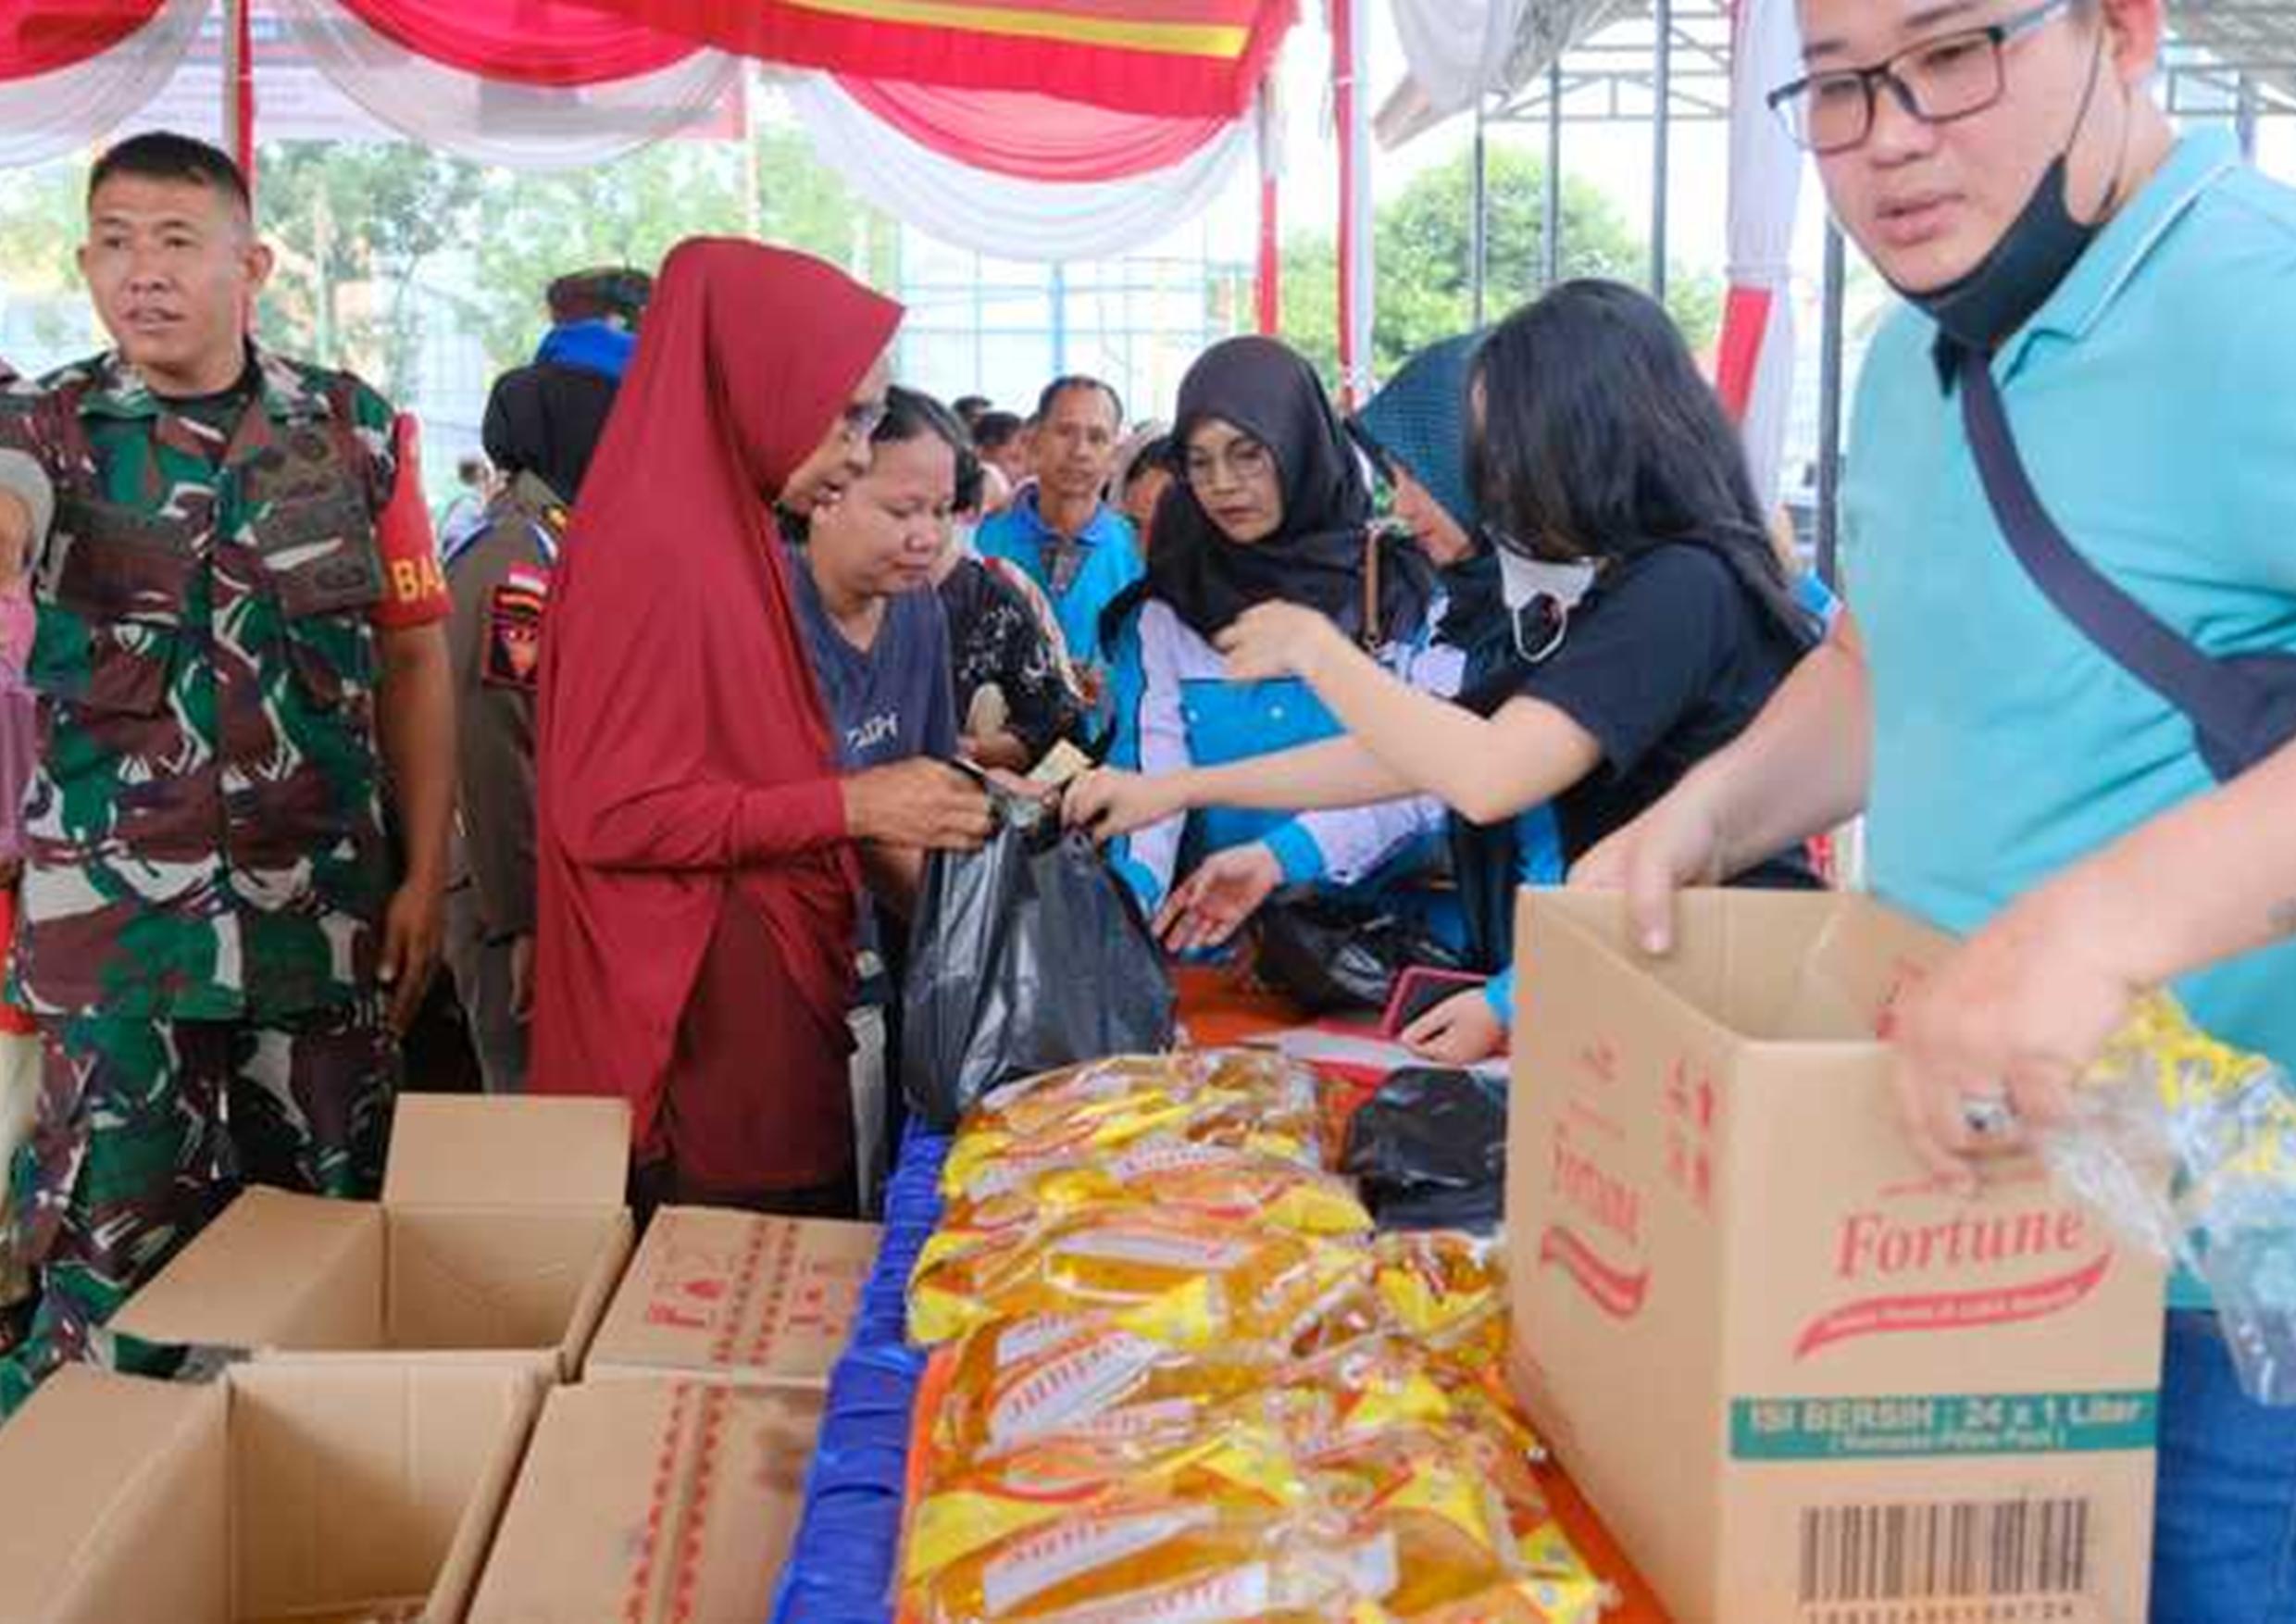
(2002, 165)
(1062, 531)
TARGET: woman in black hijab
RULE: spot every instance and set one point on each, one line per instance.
(548, 419)
(1269, 505)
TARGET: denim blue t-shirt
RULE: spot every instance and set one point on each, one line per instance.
(893, 700)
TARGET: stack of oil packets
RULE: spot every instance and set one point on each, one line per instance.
(2191, 1145)
(1177, 1381)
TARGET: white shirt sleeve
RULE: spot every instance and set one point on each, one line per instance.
(1163, 732)
(1356, 842)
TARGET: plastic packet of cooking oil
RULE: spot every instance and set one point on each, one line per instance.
(1213, 1183)
(1446, 1288)
(1226, 1097)
(1379, 1383)
(1480, 1479)
(1421, 1485)
(1166, 1274)
(1245, 1466)
(1031, 1104)
(1528, 1601)
(2190, 1146)
(1021, 1380)
(1143, 1557)
(1389, 1378)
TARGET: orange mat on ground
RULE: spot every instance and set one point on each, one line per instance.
(1217, 1008)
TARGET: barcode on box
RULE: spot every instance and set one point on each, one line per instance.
(1967, 1550)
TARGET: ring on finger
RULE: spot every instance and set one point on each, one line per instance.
(1988, 1116)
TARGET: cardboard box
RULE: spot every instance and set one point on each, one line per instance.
(501, 1229)
(1802, 1385)
(341, 1490)
(730, 1296)
(653, 1501)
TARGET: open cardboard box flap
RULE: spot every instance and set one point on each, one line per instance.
(274, 1270)
(1763, 967)
(535, 1151)
(502, 1227)
(112, 1491)
(338, 1487)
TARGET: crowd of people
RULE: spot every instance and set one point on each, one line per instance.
(650, 732)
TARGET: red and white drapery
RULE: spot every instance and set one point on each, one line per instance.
(537, 84)
(1017, 175)
(69, 74)
(1755, 369)
(1172, 58)
(986, 162)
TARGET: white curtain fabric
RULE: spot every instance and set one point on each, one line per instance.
(1766, 195)
(1456, 48)
(1359, 285)
(1000, 215)
(518, 126)
(74, 108)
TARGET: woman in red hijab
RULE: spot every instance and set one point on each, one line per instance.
(698, 884)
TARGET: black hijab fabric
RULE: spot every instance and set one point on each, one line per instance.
(1317, 556)
(546, 419)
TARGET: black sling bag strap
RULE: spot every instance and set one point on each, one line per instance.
(2243, 709)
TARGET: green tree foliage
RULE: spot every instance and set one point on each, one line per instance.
(380, 215)
(42, 223)
(1425, 268)
(392, 216)
(635, 211)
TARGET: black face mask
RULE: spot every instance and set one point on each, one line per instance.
(2008, 288)
(2011, 283)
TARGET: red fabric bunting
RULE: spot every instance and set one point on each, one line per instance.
(40, 36)
(1745, 324)
(525, 42)
(1171, 58)
(1034, 137)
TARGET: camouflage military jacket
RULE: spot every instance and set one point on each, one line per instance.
(204, 834)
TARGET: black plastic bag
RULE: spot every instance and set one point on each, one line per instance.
(1430, 1149)
(1024, 956)
(1327, 954)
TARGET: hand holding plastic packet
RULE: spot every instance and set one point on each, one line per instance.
(1023, 955)
(2189, 1145)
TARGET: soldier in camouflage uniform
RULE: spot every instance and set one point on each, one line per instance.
(240, 616)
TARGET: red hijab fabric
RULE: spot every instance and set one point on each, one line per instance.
(684, 753)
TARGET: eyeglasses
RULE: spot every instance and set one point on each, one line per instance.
(861, 418)
(1951, 77)
(1245, 461)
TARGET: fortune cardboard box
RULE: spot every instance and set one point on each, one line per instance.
(1801, 1383)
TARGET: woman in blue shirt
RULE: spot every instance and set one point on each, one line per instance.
(1416, 432)
(1648, 618)
(1269, 507)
